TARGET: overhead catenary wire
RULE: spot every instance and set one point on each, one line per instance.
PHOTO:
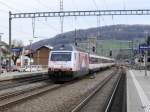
(3, 11)
(98, 27)
(98, 21)
(33, 27)
(105, 4)
(47, 24)
(12, 8)
(75, 20)
(9, 7)
(84, 20)
(99, 24)
(74, 5)
(33, 21)
(42, 4)
(16, 30)
(124, 5)
(75, 23)
(95, 4)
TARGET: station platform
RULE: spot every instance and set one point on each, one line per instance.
(138, 91)
(17, 75)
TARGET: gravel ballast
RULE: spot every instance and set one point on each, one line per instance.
(62, 99)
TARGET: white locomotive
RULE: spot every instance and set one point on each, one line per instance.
(67, 62)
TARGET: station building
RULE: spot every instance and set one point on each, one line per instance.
(38, 56)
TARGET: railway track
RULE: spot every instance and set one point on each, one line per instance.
(21, 82)
(6, 95)
(11, 99)
(20, 96)
(117, 101)
(95, 101)
(13, 88)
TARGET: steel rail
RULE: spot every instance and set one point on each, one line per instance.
(18, 92)
(25, 96)
(22, 82)
(90, 96)
(113, 94)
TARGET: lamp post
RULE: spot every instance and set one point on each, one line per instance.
(146, 34)
(30, 52)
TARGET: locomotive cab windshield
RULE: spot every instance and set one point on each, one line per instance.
(61, 56)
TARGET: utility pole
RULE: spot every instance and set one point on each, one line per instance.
(75, 19)
(30, 52)
(61, 17)
(0, 53)
(10, 20)
(130, 51)
(146, 35)
(98, 32)
(76, 37)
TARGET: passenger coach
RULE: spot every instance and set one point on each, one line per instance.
(67, 62)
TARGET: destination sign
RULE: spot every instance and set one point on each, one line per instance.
(16, 49)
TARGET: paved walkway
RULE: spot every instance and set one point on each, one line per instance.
(138, 91)
(14, 75)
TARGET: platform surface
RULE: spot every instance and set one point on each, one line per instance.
(138, 91)
(15, 75)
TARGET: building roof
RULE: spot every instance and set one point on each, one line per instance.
(39, 47)
(27, 51)
(47, 46)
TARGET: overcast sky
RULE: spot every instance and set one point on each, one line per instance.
(49, 27)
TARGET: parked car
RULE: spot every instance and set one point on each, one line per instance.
(22, 69)
(31, 68)
(14, 68)
(11, 69)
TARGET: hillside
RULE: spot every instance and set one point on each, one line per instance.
(117, 32)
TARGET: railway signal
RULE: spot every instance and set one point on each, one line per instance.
(110, 53)
(93, 49)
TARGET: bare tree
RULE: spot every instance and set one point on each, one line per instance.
(17, 43)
